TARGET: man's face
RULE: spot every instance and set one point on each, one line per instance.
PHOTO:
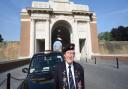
(69, 56)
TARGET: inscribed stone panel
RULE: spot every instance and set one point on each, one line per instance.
(40, 29)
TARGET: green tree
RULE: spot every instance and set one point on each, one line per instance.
(107, 36)
(120, 33)
(1, 39)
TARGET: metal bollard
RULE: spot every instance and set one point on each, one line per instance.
(117, 62)
(8, 80)
(95, 60)
(86, 60)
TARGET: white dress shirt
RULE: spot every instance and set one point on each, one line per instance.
(72, 69)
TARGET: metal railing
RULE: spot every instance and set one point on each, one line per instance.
(7, 81)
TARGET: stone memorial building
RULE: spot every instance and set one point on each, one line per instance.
(44, 22)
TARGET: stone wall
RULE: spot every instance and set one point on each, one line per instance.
(113, 47)
(9, 50)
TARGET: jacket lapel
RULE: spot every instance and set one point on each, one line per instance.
(76, 74)
(65, 78)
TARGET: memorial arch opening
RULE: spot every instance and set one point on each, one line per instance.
(61, 31)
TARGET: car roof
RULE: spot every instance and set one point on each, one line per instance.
(47, 52)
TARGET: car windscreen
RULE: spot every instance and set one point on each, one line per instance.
(45, 62)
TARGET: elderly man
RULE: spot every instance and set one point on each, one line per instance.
(69, 74)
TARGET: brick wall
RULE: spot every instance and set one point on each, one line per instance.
(9, 50)
(114, 47)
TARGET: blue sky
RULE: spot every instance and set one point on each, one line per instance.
(110, 13)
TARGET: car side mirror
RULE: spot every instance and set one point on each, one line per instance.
(25, 70)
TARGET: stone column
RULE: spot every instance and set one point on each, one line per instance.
(89, 43)
(32, 37)
(47, 38)
(76, 40)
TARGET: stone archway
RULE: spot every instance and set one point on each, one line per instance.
(61, 29)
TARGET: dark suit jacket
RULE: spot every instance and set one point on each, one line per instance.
(61, 80)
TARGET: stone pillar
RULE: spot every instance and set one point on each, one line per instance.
(89, 43)
(76, 40)
(32, 37)
(47, 38)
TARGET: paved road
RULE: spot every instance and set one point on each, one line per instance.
(103, 75)
(17, 73)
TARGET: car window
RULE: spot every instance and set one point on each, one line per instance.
(45, 63)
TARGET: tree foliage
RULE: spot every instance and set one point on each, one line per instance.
(107, 36)
(1, 39)
(116, 34)
(120, 33)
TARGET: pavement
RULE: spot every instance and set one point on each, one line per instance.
(105, 74)
(102, 75)
(18, 75)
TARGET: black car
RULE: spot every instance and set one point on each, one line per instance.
(41, 71)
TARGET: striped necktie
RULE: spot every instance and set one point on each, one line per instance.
(71, 82)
